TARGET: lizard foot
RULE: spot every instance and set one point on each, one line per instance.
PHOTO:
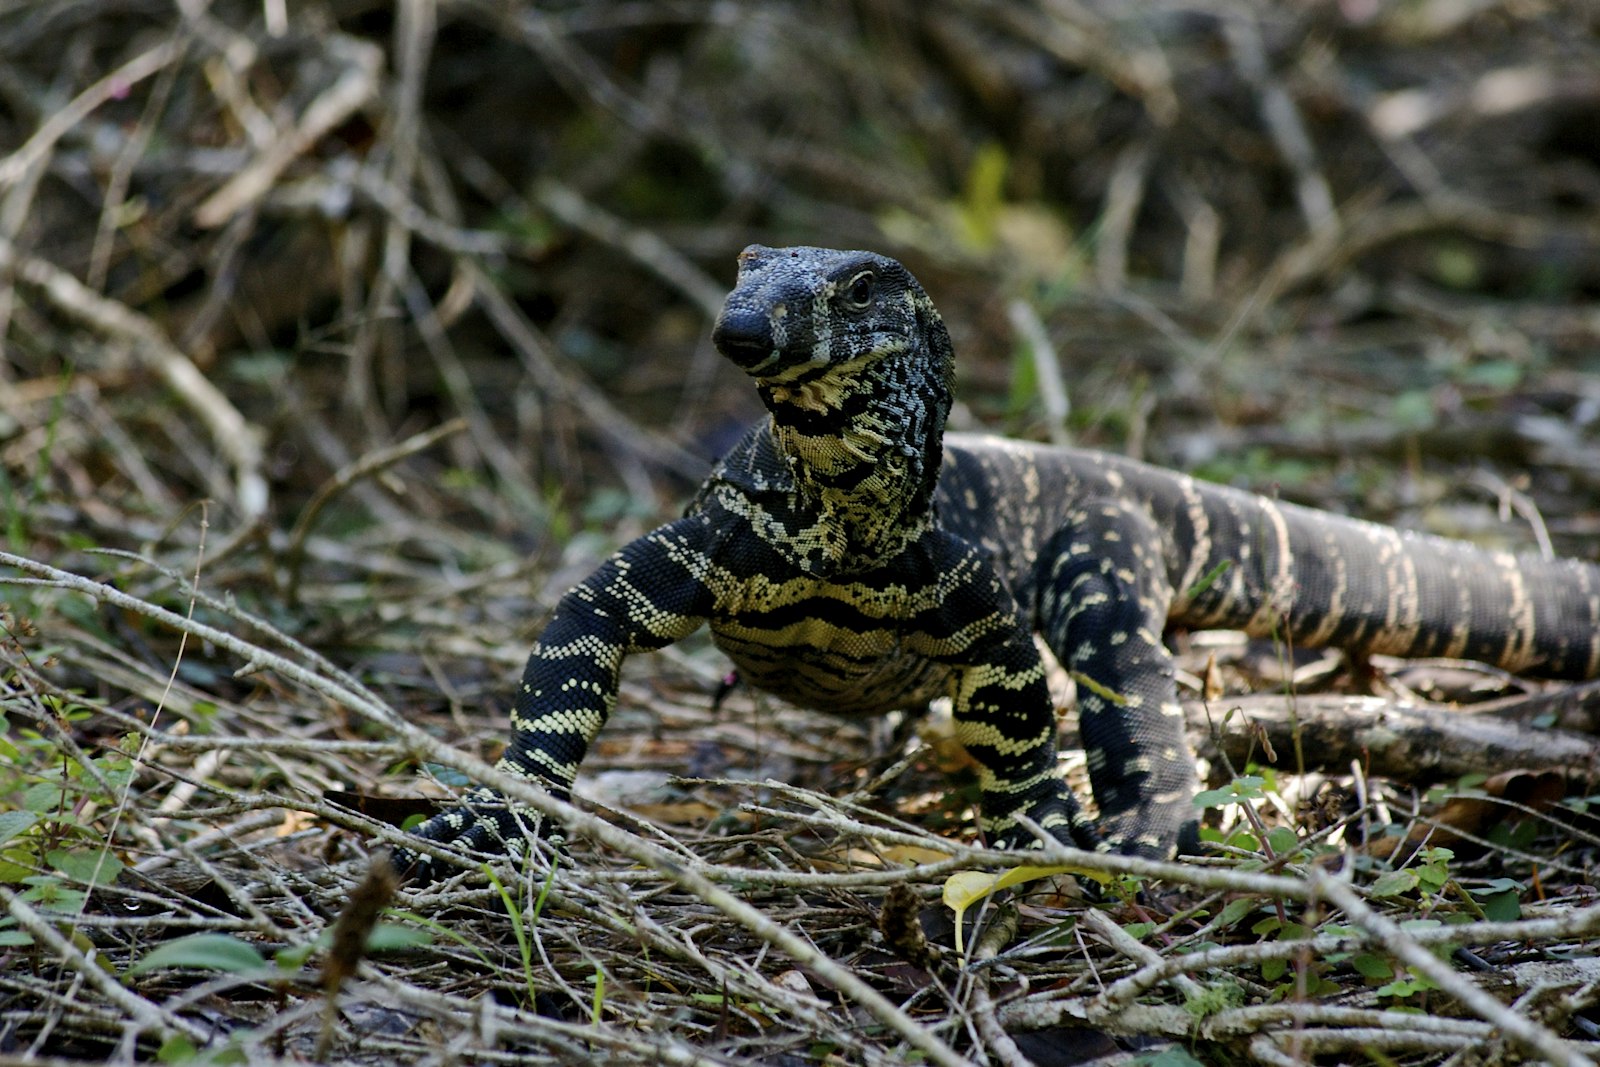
(483, 824)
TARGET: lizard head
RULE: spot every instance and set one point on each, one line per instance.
(798, 315)
(854, 363)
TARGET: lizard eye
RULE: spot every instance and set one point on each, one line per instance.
(858, 293)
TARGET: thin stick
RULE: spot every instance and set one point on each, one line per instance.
(1046, 368)
(356, 85)
(364, 467)
(113, 85)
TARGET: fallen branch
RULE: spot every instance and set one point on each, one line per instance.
(1410, 741)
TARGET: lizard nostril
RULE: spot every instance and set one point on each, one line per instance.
(744, 335)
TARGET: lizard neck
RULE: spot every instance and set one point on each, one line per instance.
(863, 440)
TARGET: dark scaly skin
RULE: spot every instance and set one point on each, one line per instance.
(846, 561)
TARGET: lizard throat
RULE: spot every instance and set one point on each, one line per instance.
(863, 444)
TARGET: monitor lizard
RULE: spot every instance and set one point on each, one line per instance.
(850, 555)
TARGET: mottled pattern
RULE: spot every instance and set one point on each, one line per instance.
(849, 556)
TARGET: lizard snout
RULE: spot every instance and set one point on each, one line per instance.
(744, 335)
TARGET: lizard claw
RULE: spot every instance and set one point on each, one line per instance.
(1154, 831)
(1056, 811)
(483, 824)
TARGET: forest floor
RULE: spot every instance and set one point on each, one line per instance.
(341, 337)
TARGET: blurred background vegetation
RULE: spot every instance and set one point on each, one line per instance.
(1346, 251)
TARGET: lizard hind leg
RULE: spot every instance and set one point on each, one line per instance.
(1102, 605)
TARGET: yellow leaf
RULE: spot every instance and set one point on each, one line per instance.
(912, 855)
(965, 888)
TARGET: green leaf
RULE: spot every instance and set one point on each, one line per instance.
(117, 770)
(1498, 374)
(1395, 883)
(1245, 787)
(89, 868)
(47, 892)
(176, 1049)
(1502, 907)
(13, 823)
(16, 864)
(293, 957)
(1500, 899)
(389, 937)
(1519, 835)
(1432, 878)
(1235, 910)
(1318, 986)
(211, 952)
(1283, 840)
(44, 798)
(1373, 967)
(1413, 410)
(1405, 987)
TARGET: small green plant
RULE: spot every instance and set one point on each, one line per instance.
(1310, 978)
(1213, 998)
(1428, 876)
(1244, 788)
(523, 932)
(47, 846)
(1500, 900)
(1409, 986)
(207, 951)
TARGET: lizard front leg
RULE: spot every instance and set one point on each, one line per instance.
(649, 594)
(1006, 721)
(1004, 716)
